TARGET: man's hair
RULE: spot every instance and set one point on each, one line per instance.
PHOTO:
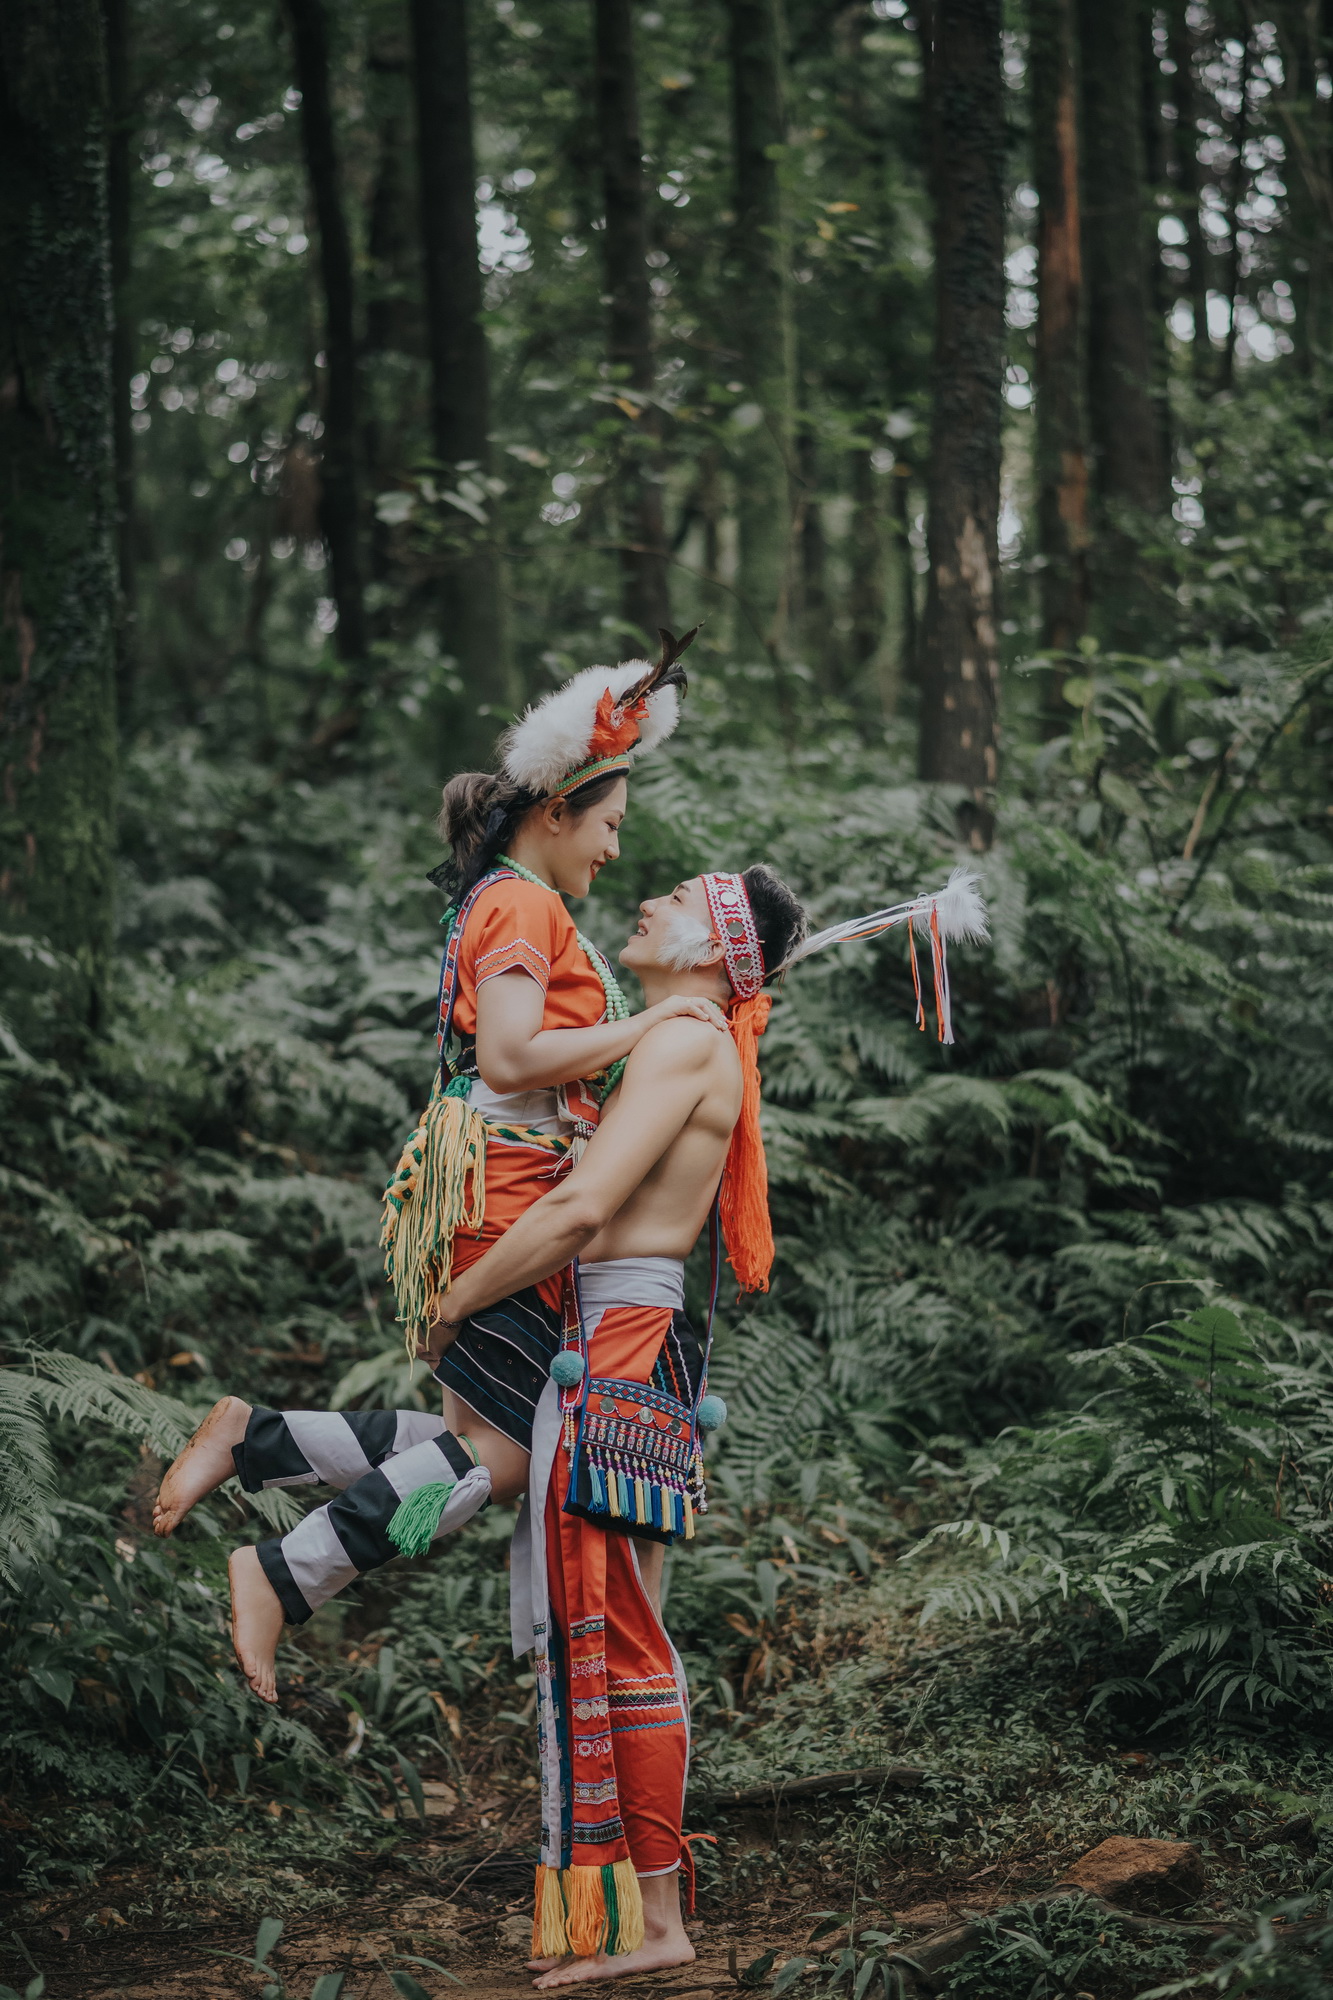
(778, 916)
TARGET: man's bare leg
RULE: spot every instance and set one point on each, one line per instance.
(203, 1465)
(664, 1941)
(256, 1622)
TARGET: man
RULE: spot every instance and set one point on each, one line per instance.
(614, 1706)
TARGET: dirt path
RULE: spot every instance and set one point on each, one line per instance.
(367, 1937)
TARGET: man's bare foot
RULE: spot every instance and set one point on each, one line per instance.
(203, 1465)
(256, 1622)
(653, 1955)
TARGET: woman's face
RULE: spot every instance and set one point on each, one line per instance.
(579, 848)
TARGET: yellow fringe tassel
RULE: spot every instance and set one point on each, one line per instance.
(439, 1186)
(581, 1911)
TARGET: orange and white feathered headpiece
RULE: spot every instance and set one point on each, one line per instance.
(596, 725)
(955, 911)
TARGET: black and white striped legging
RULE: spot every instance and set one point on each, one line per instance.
(377, 1458)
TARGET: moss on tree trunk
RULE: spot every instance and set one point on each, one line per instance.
(58, 594)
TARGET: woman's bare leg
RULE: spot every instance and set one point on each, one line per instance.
(257, 1615)
(506, 1461)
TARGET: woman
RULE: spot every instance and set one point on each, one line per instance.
(532, 1030)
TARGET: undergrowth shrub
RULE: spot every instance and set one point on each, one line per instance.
(1174, 1532)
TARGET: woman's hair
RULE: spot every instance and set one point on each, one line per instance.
(481, 811)
(778, 916)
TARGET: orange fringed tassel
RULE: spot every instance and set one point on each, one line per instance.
(744, 1204)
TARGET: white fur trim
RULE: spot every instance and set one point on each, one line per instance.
(662, 717)
(553, 737)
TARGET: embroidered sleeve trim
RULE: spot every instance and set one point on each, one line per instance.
(514, 955)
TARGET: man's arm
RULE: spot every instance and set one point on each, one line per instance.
(664, 1082)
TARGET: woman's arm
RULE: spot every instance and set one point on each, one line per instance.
(515, 1052)
(663, 1085)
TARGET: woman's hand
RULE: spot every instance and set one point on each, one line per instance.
(687, 1004)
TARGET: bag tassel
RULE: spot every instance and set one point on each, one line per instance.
(582, 1911)
(416, 1520)
(439, 1186)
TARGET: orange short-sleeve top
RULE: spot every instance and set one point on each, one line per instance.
(518, 926)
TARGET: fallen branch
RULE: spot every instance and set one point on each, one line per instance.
(779, 1790)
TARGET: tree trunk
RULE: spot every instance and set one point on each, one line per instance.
(865, 582)
(393, 317)
(1062, 459)
(643, 563)
(120, 150)
(959, 661)
(58, 596)
(471, 606)
(762, 328)
(1235, 194)
(340, 497)
(900, 661)
(1126, 423)
(1189, 180)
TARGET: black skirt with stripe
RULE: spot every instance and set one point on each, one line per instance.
(501, 1360)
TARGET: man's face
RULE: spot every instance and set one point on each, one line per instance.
(675, 931)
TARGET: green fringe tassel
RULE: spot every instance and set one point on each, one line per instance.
(416, 1519)
(438, 1186)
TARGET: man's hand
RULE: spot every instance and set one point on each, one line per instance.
(443, 1333)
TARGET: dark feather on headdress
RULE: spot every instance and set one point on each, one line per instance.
(667, 672)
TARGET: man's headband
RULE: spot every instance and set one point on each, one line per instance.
(733, 920)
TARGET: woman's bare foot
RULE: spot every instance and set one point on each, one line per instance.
(203, 1465)
(664, 1942)
(256, 1622)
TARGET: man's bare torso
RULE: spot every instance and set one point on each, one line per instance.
(665, 1213)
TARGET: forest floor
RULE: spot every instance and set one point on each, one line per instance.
(463, 1900)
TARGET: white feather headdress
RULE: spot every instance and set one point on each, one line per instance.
(597, 723)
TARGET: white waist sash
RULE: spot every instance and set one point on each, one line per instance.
(633, 1281)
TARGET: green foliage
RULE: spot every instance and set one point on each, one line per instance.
(1045, 1951)
(1185, 1507)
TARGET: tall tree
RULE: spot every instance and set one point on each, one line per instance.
(1237, 183)
(1126, 414)
(1062, 459)
(762, 325)
(340, 483)
(1182, 47)
(959, 660)
(460, 399)
(58, 593)
(120, 151)
(643, 560)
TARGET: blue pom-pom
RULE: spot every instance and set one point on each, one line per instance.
(567, 1369)
(711, 1414)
